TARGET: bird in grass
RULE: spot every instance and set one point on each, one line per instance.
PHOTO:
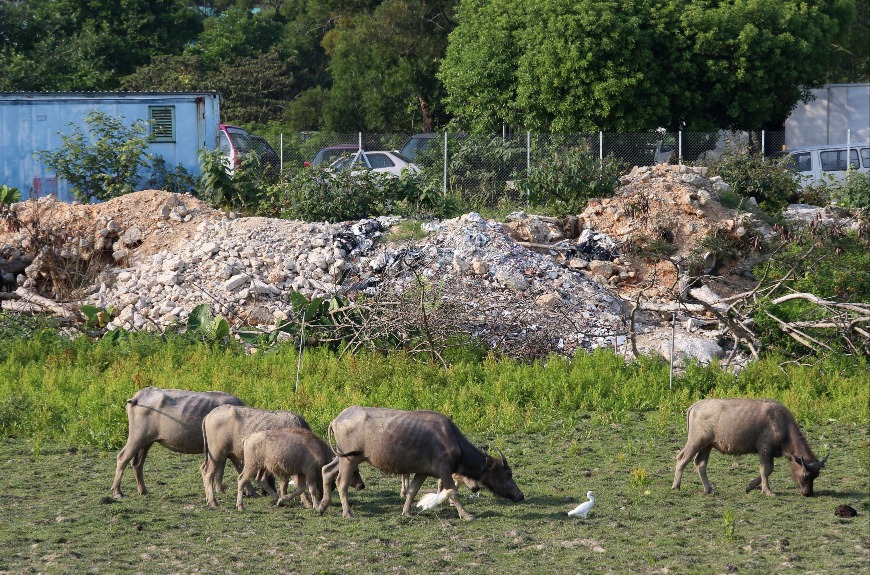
(584, 508)
(433, 500)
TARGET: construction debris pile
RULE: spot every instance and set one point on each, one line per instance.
(529, 287)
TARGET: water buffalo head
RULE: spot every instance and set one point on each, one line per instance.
(499, 478)
(804, 472)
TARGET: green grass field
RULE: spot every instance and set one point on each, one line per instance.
(565, 426)
(59, 517)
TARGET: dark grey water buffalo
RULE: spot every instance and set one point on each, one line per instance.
(742, 426)
(223, 433)
(285, 453)
(170, 417)
(422, 443)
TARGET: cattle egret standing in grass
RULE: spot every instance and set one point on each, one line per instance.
(433, 500)
(584, 508)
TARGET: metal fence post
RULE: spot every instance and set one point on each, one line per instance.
(762, 143)
(281, 146)
(680, 147)
(600, 149)
(444, 189)
(360, 141)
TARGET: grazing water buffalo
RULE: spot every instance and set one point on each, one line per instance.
(285, 453)
(423, 443)
(171, 417)
(741, 426)
(223, 433)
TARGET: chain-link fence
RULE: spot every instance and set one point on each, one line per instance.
(485, 170)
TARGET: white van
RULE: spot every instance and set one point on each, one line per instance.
(818, 164)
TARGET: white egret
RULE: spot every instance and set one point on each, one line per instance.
(432, 500)
(584, 508)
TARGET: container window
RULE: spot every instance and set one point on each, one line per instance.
(162, 123)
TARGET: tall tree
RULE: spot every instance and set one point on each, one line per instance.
(582, 65)
(383, 67)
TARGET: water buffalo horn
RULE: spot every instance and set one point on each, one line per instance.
(825, 458)
(503, 459)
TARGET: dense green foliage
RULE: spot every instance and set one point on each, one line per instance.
(318, 195)
(105, 162)
(415, 65)
(53, 388)
(570, 179)
(642, 64)
(751, 175)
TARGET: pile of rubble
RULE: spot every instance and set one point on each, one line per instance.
(566, 285)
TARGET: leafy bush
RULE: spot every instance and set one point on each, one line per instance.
(317, 194)
(243, 190)
(177, 181)
(856, 192)
(108, 167)
(569, 179)
(750, 174)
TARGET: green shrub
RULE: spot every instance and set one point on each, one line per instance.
(856, 192)
(109, 166)
(750, 174)
(567, 181)
(244, 190)
(178, 180)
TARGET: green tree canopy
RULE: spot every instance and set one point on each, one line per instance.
(87, 45)
(634, 65)
(383, 67)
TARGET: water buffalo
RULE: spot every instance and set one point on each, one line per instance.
(285, 453)
(741, 426)
(171, 417)
(222, 434)
(423, 443)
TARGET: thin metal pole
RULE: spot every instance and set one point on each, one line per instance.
(360, 141)
(281, 145)
(445, 164)
(680, 147)
(762, 143)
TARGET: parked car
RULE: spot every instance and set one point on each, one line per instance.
(418, 143)
(236, 142)
(380, 161)
(828, 164)
(329, 154)
(267, 154)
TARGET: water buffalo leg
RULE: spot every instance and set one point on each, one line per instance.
(753, 484)
(330, 472)
(413, 488)
(766, 469)
(454, 497)
(683, 459)
(137, 465)
(701, 464)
